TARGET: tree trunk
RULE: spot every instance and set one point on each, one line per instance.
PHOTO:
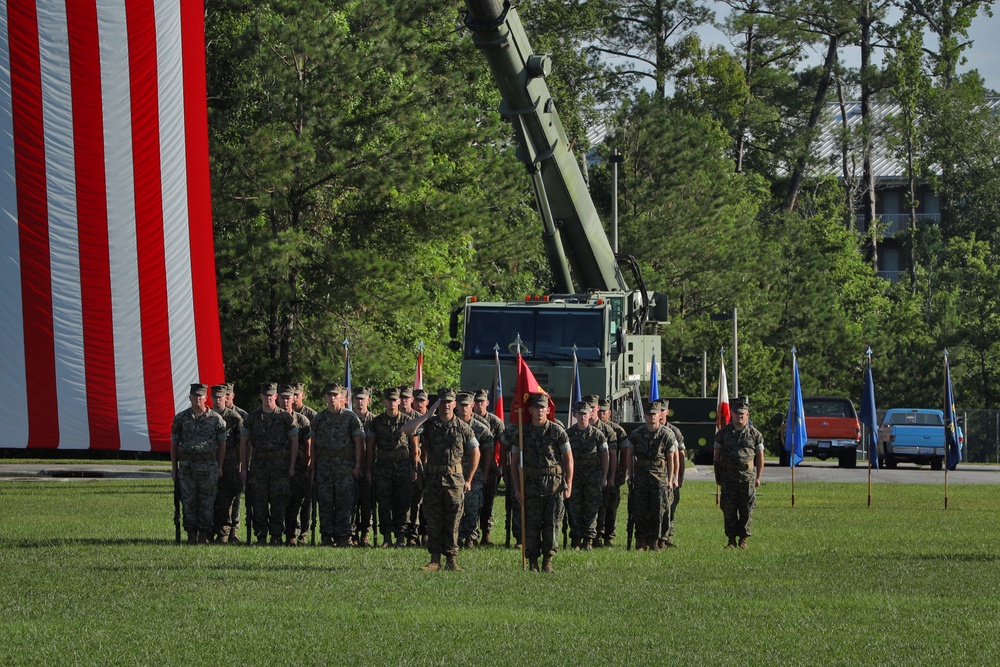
(819, 100)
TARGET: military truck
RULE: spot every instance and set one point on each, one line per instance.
(591, 309)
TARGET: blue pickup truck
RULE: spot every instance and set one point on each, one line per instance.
(912, 435)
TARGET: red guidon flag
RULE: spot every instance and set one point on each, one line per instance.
(524, 386)
(722, 410)
(107, 268)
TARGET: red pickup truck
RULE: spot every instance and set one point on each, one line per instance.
(832, 429)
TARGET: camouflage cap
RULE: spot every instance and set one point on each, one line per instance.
(299, 387)
(592, 400)
(464, 398)
(538, 400)
(219, 390)
(482, 395)
(199, 390)
(362, 392)
(286, 390)
(230, 388)
(333, 389)
(391, 394)
(652, 408)
(664, 404)
(446, 394)
(420, 394)
(605, 404)
(405, 391)
(268, 389)
(581, 407)
(739, 404)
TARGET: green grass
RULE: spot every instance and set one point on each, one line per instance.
(89, 575)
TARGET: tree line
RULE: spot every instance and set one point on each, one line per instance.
(364, 184)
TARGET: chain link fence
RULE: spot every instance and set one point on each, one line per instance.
(982, 435)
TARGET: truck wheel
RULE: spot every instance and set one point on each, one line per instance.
(937, 464)
(848, 458)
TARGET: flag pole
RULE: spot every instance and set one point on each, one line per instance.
(572, 389)
(520, 468)
(791, 454)
(868, 437)
(722, 369)
(946, 397)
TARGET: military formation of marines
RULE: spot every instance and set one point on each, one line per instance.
(433, 471)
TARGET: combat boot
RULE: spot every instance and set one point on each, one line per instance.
(204, 537)
(486, 541)
(608, 542)
(233, 538)
(587, 544)
(743, 543)
(262, 540)
(400, 542)
(327, 541)
(574, 543)
(366, 539)
(192, 537)
(547, 564)
(669, 542)
(344, 542)
(434, 565)
(450, 564)
(732, 543)
(532, 565)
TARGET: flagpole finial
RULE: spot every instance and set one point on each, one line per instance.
(420, 346)
(869, 352)
(793, 350)
(575, 348)
(496, 348)
(346, 343)
(946, 354)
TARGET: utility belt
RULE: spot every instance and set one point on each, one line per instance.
(191, 456)
(392, 455)
(541, 471)
(652, 463)
(435, 469)
(271, 454)
(343, 454)
(735, 466)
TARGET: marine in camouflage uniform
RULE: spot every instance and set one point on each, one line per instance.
(548, 480)
(443, 440)
(197, 448)
(231, 401)
(739, 464)
(338, 449)
(607, 516)
(590, 475)
(389, 454)
(491, 481)
(298, 485)
(362, 517)
(667, 529)
(651, 449)
(468, 529)
(269, 441)
(303, 483)
(412, 404)
(230, 484)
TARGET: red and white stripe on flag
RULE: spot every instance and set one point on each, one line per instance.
(108, 305)
(722, 414)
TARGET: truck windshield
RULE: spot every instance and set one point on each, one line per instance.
(545, 333)
(918, 418)
(829, 407)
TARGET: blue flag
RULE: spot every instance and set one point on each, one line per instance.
(953, 452)
(654, 385)
(868, 419)
(795, 426)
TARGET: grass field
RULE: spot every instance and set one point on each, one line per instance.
(89, 575)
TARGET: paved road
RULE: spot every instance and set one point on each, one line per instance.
(812, 470)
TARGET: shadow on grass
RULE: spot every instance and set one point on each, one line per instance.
(85, 542)
(959, 557)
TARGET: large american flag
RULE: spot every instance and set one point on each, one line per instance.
(108, 305)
